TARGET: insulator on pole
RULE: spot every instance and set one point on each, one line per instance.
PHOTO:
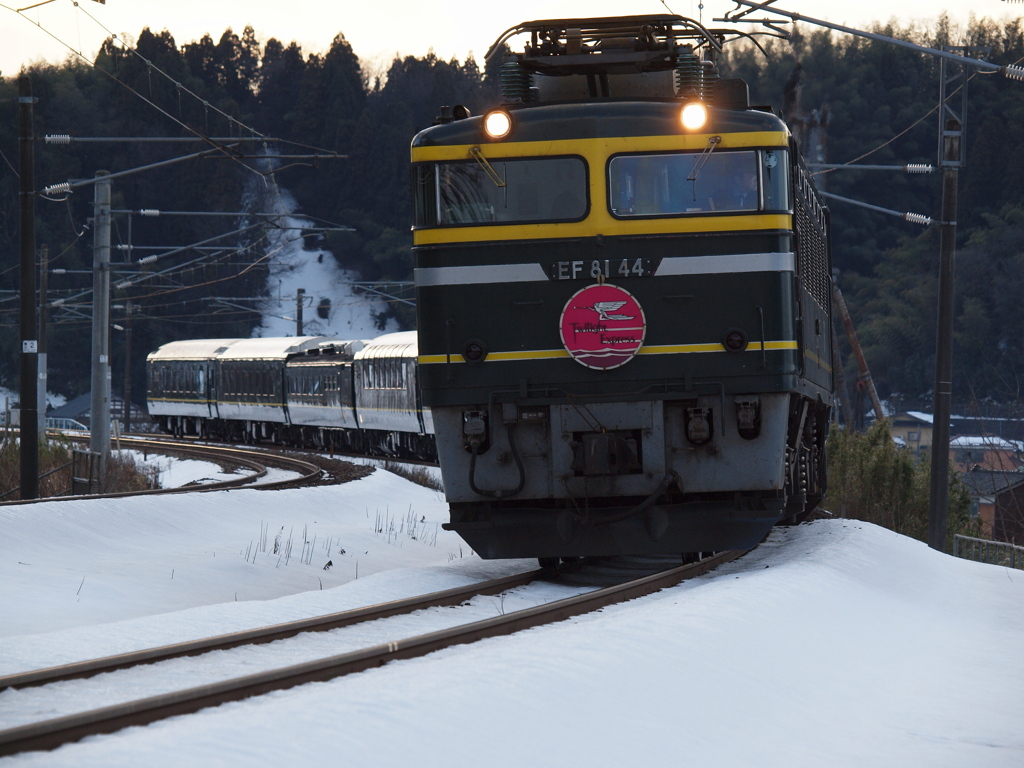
(1014, 72)
(149, 212)
(918, 168)
(55, 188)
(917, 218)
(58, 138)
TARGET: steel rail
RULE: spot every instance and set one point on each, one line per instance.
(253, 459)
(53, 733)
(245, 456)
(267, 634)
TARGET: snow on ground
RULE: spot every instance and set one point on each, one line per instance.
(836, 643)
(175, 472)
(9, 397)
(318, 274)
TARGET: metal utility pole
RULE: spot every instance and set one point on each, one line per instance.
(299, 295)
(939, 496)
(29, 342)
(44, 260)
(99, 420)
(952, 151)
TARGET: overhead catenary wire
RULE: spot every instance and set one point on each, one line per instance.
(151, 68)
(215, 145)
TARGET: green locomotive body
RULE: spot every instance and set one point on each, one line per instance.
(624, 321)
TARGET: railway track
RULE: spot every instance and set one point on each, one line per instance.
(52, 733)
(310, 468)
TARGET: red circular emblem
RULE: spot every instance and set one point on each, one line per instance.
(603, 326)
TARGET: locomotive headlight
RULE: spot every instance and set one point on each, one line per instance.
(693, 116)
(497, 124)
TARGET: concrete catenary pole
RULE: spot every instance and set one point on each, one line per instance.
(29, 342)
(44, 261)
(99, 421)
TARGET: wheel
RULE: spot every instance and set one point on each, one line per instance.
(548, 562)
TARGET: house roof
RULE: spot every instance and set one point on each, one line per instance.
(912, 417)
(72, 409)
(989, 482)
(990, 442)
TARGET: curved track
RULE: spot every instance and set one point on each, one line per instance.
(53, 733)
(311, 470)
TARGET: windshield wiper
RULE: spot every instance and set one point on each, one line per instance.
(698, 165)
(488, 169)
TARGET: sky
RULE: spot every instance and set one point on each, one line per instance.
(452, 28)
(835, 643)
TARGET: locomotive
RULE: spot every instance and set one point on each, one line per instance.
(307, 391)
(623, 295)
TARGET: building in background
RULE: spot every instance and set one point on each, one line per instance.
(997, 500)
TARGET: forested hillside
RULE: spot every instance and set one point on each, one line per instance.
(871, 102)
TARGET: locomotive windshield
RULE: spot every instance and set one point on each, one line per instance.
(681, 183)
(527, 190)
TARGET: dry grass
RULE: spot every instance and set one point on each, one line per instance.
(55, 470)
(419, 475)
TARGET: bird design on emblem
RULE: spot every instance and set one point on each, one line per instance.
(605, 308)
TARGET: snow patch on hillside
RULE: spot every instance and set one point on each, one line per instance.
(349, 314)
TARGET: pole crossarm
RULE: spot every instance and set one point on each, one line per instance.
(1012, 71)
(182, 249)
(67, 186)
(64, 138)
(908, 168)
(914, 218)
(231, 304)
(271, 217)
(156, 212)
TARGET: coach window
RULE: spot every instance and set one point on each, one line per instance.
(500, 191)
